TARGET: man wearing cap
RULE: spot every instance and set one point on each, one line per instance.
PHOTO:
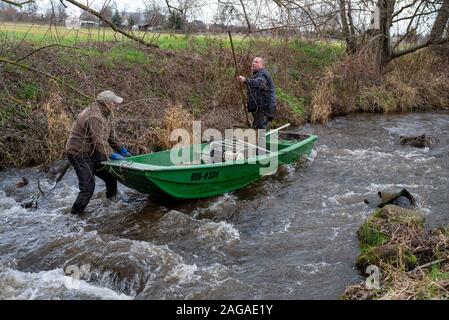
(92, 141)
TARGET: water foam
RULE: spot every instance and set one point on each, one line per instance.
(209, 233)
(53, 284)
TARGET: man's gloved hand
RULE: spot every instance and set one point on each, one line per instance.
(116, 156)
(124, 152)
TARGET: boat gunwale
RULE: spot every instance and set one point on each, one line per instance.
(125, 164)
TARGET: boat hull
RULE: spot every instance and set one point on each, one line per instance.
(204, 180)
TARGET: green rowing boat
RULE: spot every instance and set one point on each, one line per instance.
(156, 173)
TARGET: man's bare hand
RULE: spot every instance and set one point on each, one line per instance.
(242, 79)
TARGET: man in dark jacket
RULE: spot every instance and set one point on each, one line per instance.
(261, 94)
(92, 141)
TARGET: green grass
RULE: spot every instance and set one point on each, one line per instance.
(298, 105)
(320, 54)
(196, 102)
(432, 290)
(11, 109)
(436, 274)
(370, 235)
(313, 57)
(43, 35)
(29, 92)
(129, 55)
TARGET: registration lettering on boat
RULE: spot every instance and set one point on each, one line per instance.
(209, 175)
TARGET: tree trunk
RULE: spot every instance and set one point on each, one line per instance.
(347, 29)
(440, 23)
(382, 50)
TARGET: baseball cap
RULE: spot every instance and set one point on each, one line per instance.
(109, 96)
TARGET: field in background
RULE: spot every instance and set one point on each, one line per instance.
(44, 34)
(313, 55)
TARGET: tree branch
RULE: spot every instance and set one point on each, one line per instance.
(408, 31)
(246, 16)
(23, 66)
(170, 7)
(111, 24)
(406, 7)
(350, 20)
(17, 4)
(398, 54)
(441, 22)
(281, 3)
(45, 47)
(415, 15)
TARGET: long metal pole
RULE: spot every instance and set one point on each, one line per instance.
(240, 86)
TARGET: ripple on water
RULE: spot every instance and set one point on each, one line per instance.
(50, 285)
(177, 226)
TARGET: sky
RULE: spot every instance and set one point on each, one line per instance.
(205, 13)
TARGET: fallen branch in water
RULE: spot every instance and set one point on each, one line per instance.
(62, 173)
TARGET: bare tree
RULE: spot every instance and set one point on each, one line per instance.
(441, 23)
(426, 19)
(95, 13)
(112, 25)
(17, 4)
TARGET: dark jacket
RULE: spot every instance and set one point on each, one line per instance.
(261, 93)
(92, 135)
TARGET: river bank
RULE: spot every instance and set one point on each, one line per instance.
(404, 261)
(168, 89)
(163, 90)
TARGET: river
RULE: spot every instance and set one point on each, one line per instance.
(288, 236)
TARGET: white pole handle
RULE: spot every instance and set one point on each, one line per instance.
(278, 129)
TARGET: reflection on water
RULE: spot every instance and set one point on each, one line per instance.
(289, 236)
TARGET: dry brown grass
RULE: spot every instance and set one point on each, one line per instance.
(58, 127)
(413, 263)
(175, 118)
(323, 99)
(338, 91)
(415, 82)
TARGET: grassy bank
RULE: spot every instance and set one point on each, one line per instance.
(415, 82)
(162, 89)
(413, 262)
(191, 76)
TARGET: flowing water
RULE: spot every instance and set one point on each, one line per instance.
(288, 236)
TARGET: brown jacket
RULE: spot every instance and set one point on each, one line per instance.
(92, 134)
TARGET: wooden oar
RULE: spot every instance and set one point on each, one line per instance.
(237, 73)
